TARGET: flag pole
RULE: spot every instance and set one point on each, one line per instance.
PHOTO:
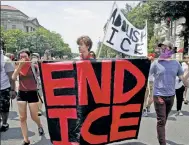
(106, 28)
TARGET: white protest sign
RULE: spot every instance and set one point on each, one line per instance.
(122, 36)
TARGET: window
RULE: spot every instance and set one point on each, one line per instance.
(5, 26)
(13, 26)
(27, 29)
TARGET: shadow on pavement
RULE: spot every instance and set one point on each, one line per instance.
(172, 143)
(43, 141)
(185, 113)
(13, 115)
(153, 115)
(133, 143)
(14, 133)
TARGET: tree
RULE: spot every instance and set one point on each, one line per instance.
(127, 9)
(173, 10)
(153, 43)
(14, 39)
(138, 16)
(37, 41)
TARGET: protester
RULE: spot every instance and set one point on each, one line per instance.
(186, 75)
(47, 55)
(186, 68)
(148, 100)
(85, 45)
(180, 88)
(165, 71)
(7, 87)
(11, 56)
(93, 54)
(27, 94)
(35, 57)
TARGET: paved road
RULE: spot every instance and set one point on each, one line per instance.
(177, 130)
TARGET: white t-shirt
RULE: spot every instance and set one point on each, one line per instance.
(6, 66)
(184, 66)
(179, 83)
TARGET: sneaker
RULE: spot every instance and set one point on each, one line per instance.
(180, 113)
(39, 113)
(186, 102)
(148, 109)
(145, 113)
(41, 131)
(25, 143)
(4, 127)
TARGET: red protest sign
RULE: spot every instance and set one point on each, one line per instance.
(94, 102)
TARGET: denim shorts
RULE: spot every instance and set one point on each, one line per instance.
(5, 100)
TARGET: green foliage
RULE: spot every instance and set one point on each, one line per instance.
(153, 43)
(161, 10)
(37, 41)
(106, 52)
(14, 39)
(138, 17)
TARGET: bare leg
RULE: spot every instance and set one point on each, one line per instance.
(40, 105)
(34, 113)
(22, 108)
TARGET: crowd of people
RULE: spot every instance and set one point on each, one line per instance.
(21, 80)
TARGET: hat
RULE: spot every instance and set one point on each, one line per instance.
(36, 54)
(160, 44)
(168, 43)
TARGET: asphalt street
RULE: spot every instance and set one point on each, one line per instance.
(177, 130)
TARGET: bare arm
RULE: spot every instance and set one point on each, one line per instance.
(182, 76)
(16, 72)
(184, 80)
(186, 75)
(12, 82)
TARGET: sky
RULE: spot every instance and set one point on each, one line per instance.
(71, 19)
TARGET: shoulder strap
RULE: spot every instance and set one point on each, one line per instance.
(34, 72)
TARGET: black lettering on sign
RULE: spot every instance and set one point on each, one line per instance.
(118, 21)
(113, 16)
(123, 28)
(131, 32)
(142, 36)
(122, 48)
(109, 41)
(135, 38)
(136, 51)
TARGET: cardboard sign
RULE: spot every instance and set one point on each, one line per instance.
(94, 102)
(122, 36)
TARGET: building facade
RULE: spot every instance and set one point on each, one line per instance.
(12, 18)
(171, 32)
